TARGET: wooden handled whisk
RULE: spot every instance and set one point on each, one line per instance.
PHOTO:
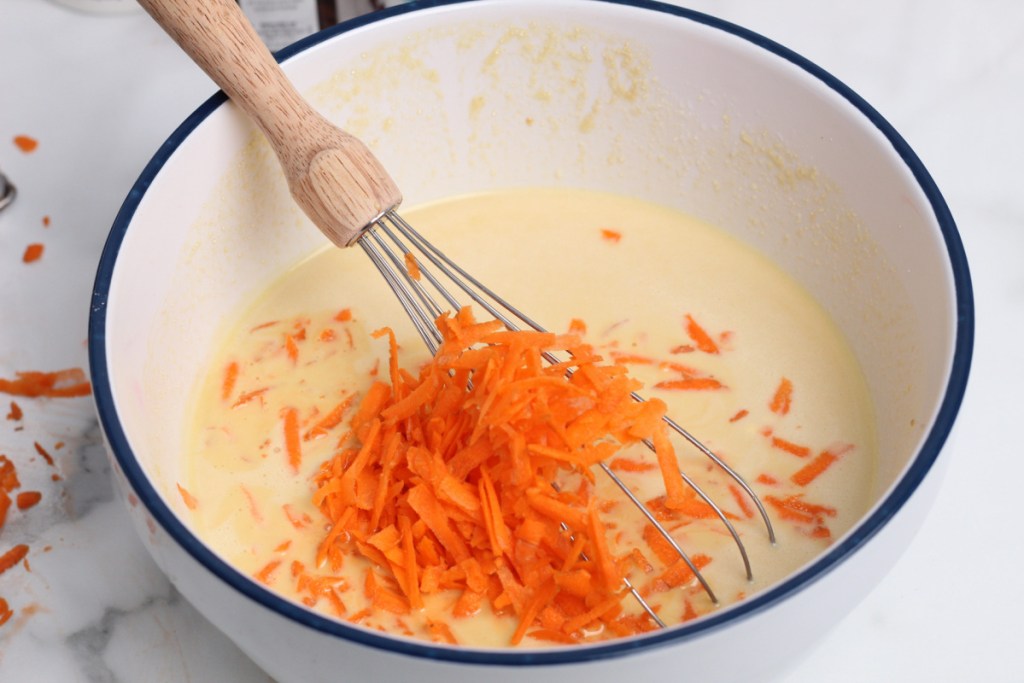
(350, 197)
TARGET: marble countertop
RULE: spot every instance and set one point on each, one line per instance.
(100, 94)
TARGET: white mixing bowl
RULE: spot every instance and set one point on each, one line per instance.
(630, 97)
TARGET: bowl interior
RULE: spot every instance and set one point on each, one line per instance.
(611, 97)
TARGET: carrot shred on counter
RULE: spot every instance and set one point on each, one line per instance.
(782, 400)
(26, 143)
(699, 336)
(15, 413)
(13, 557)
(44, 453)
(613, 236)
(60, 384)
(27, 499)
(5, 612)
(33, 253)
(446, 483)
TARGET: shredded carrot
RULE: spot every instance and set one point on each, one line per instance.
(344, 315)
(249, 396)
(190, 501)
(691, 384)
(299, 520)
(627, 465)
(5, 612)
(15, 412)
(5, 505)
(782, 400)
(817, 466)
(27, 499)
(8, 475)
(699, 336)
(46, 221)
(330, 420)
(795, 508)
(33, 252)
(613, 236)
(13, 557)
(292, 440)
(739, 415)
(43, 452)
(742, 500)
(412, 266)
(291, 348)
(26, 143)
(230, 377)
(790, 447)
(254, 509)
(440, 632)
(266, 574)
(60, 384)
(443, 479)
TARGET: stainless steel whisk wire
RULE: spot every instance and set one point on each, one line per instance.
(423, 309)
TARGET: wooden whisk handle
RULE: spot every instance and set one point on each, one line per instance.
(332, 175)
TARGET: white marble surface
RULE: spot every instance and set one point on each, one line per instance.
(102, 93)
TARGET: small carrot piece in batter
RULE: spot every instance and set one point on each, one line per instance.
(230, 377)
(190, 501)
(818, 465)
(292, 439)
(691, 384)
(790, 447)
(699, 336)
(782, 400)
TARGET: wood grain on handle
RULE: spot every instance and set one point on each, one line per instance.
(332, 175)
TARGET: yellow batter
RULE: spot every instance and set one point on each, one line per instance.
(643, 278)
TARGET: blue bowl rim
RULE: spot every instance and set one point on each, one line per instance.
(909, 483)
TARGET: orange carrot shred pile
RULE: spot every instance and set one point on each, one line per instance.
(15, 412)
(613, 236)
(447, 484)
